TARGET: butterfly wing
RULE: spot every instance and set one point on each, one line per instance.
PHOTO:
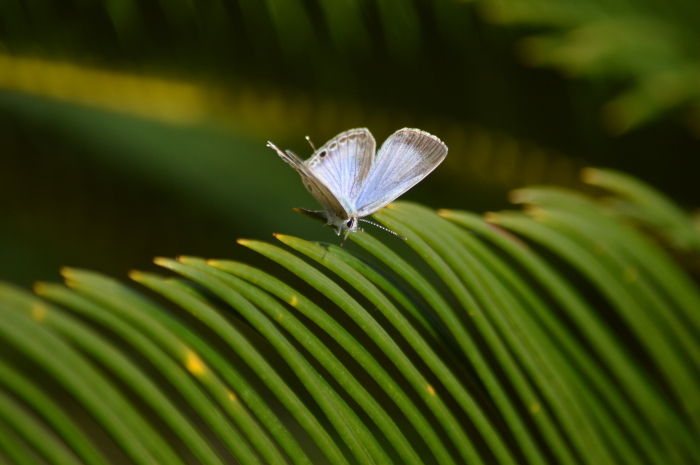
(313, 184)
(406, 157)
(343, 163)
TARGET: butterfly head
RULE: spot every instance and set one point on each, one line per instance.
(347, 226)
(341, 223)
(350, 225)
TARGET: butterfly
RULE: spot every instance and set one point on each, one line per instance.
(351, 180)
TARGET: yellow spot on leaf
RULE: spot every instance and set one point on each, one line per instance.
(293, 301)
(431, 390)
(534, 408)
(232, 397)
(38, 313)
(194, 364)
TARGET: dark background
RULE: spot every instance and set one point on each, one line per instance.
(137, 128)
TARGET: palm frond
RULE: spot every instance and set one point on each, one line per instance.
(565, 334)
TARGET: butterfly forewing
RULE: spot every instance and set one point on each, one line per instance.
(406, 157)
(313, 184)
(343, 163)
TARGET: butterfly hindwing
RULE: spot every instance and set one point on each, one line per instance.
(406, 157)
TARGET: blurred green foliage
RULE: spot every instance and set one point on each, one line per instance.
(130, 128)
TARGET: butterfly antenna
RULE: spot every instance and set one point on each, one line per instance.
(308, 139)
(385, 229)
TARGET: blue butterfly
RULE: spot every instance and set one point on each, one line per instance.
(351, 180)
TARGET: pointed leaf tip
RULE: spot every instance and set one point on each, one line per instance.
(161, 261)
(135, 274)
(535, 212)
(282, 237)
(588, 175)
(188, 259)
(66, 272)
(518, 196)
(491, 217)
(39, 287)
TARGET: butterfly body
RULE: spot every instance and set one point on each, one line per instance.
(349, 224)
(351, 180)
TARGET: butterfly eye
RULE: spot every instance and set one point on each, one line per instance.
(350, 223)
